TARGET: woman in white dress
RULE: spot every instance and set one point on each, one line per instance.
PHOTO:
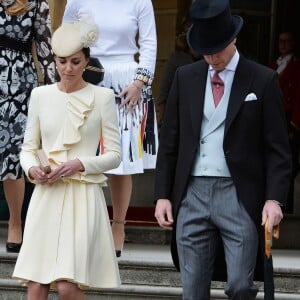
(127, 30)
(67, 239)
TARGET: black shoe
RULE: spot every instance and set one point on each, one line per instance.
(13, 247)
(118, 253)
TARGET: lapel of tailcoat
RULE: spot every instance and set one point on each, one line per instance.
(239, 90)
(197, 98)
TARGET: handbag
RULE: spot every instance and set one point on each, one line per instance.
(44, 162)
(94, 71)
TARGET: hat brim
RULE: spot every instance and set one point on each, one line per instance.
(194, 41)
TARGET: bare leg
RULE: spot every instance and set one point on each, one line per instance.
(14, 193)
(37, 291)
(69, 291)
(120, 188)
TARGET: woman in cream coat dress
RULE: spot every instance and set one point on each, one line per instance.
(67, 240)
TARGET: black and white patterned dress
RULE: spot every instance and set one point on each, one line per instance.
(18, 76)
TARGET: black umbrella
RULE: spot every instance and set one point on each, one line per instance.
(268, 262)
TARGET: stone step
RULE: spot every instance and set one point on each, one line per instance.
(12, 290)
(289, 234)
(147, 272)
(154, 235)
(151, 265)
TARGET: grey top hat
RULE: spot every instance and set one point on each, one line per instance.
(213, 28)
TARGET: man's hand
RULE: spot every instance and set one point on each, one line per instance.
(163, 213)
(271, 211)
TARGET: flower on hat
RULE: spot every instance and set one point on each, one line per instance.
(88, 32)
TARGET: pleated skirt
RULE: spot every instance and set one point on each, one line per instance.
(138, 130)
(68, 236)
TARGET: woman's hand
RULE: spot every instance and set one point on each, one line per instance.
(132, 95)
(66, 169)
(38, 175)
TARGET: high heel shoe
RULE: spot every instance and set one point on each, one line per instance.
(13, 247)
(119, 251)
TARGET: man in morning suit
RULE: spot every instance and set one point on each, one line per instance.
(224, 163)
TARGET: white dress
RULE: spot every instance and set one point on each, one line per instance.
(67, 231)
(119, 21)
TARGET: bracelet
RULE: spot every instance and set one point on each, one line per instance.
(143, 78)
(138, 87)
(144, 75)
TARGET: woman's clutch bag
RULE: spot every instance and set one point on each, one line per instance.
(44, 162)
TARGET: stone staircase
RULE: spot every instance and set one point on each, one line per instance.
(147, 271)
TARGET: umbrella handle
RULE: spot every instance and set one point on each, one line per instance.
(269, 238)
(276, 232)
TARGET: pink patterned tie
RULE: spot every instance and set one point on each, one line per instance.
(217, 88)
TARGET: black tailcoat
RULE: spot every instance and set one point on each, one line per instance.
(255, 142)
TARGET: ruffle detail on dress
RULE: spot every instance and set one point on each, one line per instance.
(101, 179)
(78, 107)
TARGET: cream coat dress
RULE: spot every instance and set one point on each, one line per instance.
(67, 232)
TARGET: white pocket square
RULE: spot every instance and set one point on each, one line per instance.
(251, 97)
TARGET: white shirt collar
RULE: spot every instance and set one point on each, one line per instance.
(282, 62)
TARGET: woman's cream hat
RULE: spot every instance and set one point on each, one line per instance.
(70, 38)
